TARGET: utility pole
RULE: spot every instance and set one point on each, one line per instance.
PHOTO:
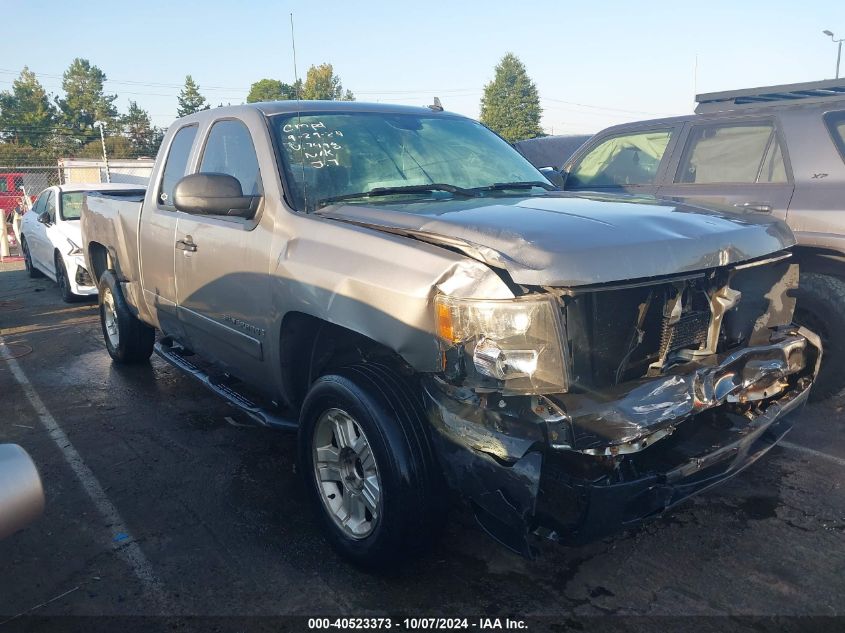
(838, 49)
(102, 125)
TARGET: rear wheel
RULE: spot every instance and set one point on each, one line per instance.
(27, 260)
(128, 339)
(821, 308)
(365, 456)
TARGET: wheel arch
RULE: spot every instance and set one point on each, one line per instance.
(101, 259)
(824, 261)
(310, 347)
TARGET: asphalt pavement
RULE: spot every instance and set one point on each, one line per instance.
(162, 500)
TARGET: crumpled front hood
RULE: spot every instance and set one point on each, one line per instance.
(568, 240)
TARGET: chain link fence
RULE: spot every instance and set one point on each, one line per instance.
(21, 184)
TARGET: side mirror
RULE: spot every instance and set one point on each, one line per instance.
(554, 176)
(213, 194)
(44, 219)
(21, 493)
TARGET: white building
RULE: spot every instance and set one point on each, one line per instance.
(77, 170)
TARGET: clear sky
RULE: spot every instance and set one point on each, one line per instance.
(594, 63)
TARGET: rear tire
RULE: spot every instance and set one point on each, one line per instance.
(384, 416)
(821, 308)
(128, 339)
(27, 260)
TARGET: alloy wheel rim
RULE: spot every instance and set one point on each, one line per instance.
(110, 318)
(346, 473)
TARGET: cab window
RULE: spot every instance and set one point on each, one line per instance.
(3, 185)
(229, 150)
(627, 159)
(732, 154)
(177, 163)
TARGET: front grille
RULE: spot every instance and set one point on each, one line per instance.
(618, 335)
(689, 332)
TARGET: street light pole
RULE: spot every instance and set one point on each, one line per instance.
(102, 125)
(838, 49)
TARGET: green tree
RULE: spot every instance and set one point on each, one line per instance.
(136, 127)
(322, 83)
(272, 90)
(117, 147)
(14, 154)
(85, 101)
(190, 99)
(510, 104)
(26, 114)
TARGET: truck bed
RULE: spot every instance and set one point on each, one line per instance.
(112, 221)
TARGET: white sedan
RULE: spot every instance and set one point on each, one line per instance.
(51, 238)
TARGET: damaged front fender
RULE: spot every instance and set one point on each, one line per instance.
(492, 455)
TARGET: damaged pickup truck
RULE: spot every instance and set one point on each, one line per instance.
(406, 291)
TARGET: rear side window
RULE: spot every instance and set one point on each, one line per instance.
(229, 150)
(732, 154)
(3, 185)
(835, 122)
(628, 159)
(177, 163)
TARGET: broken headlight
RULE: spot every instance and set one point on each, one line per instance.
(511, 345)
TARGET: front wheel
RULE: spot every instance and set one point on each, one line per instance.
(128, 339)
(68, 296)
(368, 467)
(821, 308)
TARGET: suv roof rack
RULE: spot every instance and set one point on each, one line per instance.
(812, 91)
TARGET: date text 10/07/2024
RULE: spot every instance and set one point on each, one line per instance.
(417, 624)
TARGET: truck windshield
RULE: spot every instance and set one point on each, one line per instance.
(328, 157)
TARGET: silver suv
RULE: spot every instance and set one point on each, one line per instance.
(777, 151)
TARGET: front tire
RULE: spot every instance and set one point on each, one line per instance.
(68, 296)
(821, 308)
(368, 466)
(128, 339)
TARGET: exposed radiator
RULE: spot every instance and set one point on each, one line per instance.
(689, 332)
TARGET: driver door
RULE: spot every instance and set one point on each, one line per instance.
(222, 265)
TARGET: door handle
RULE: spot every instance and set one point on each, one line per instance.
(187, 244)
(759, 207)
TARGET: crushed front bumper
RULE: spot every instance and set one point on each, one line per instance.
(580, 466)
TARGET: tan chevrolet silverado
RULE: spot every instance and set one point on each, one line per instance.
(430, 314)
